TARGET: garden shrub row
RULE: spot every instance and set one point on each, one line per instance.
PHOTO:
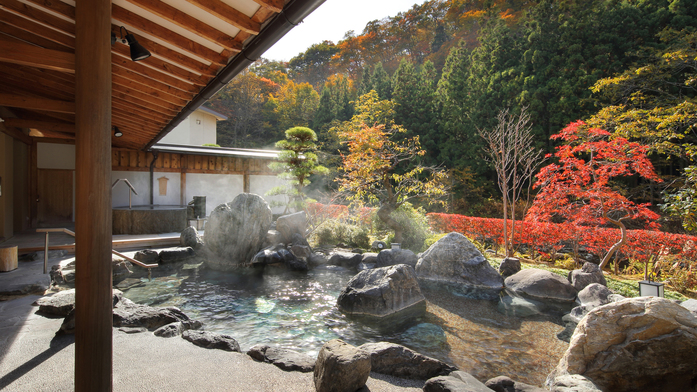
(672, 255)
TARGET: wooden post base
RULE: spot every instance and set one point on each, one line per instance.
(8, 258)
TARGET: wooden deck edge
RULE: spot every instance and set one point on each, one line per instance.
(117, 244)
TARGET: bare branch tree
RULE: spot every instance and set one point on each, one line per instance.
(510, 149)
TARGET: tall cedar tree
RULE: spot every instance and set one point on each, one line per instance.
(580, 188)
(413, 93)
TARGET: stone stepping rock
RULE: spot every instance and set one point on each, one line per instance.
(458, 381)
(341, 367)
(282, 358)
(212, 340)
(399, 361)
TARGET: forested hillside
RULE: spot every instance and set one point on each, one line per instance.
(450, 66)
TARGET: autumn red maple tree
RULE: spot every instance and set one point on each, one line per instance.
(580, 187)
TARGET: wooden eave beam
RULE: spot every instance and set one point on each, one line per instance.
(15, 133)
(67, 117)
(175, 89)
(138, 114)
(22, 87)
(26, 30)
(155, 67)
(27, 74)
(190, 23)
(148, 91)
(39, 16)
(132, 19)
(57, 6)
(146, 100)
(41, 125)
(51, 105)
(146, 73)
(15, 52)
(51, 134)
(169, 54)
(229, 14)
(271, 5)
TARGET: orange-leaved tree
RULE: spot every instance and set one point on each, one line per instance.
(380, 165)
(580, 187)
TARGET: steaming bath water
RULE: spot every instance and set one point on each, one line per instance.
(298, 311)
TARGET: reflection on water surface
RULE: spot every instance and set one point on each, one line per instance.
(298, 311)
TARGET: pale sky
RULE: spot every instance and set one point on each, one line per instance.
(331, 21)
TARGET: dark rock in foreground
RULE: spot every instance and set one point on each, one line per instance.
(212, 340)
(341, 367)
(455, 382)
(573, 383)
(282, 358)
(506, 384)
(381, 292)
(454, 261)
(399, 361)
(58, 304)
(130, 314)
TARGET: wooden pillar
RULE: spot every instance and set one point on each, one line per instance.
(245, 177)
(182, 188)
(245, 182)
(33, 185)
(93, 303)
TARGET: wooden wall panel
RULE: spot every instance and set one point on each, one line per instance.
(130, 160)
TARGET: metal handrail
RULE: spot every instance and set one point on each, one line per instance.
(129, 185)
(70, 232)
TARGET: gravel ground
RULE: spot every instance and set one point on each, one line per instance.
(32, 358)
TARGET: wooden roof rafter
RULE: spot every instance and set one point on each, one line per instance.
(194, 44)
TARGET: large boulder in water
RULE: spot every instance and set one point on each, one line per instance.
(637, 344)
(388, 257)
(381, 292)
(235, 231)
(454, 261)
(541, 285)
(288, 225)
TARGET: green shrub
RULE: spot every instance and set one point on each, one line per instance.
(333, 232)
(414, 225)
(432, 239)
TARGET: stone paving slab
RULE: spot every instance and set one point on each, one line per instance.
(33, 358)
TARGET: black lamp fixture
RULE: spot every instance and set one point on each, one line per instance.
(650, 288)
(138, 52)
(117, 132)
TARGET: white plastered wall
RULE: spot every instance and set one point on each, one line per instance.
(196, 130)
(262, 184)
(141, 183)
(218, 188)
